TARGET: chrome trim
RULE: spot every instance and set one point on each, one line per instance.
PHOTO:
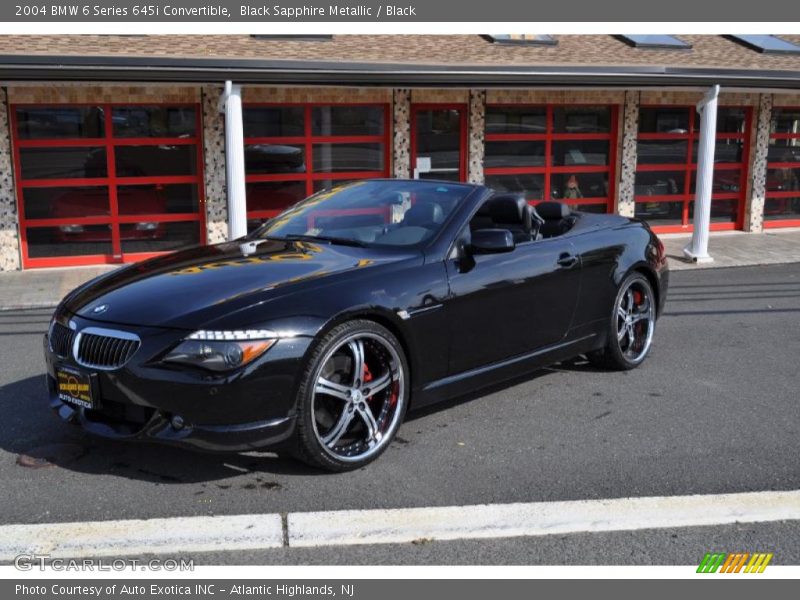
(53, 323)
(112, 333)
(413, 312)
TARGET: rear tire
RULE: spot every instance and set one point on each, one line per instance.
(630, 328)
(352, 397)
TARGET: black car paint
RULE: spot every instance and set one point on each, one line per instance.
(465, 320)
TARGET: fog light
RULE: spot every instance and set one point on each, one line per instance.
(177, 422)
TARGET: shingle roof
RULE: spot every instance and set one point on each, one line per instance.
(708, 51)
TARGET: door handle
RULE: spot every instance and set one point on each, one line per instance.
(567, 260)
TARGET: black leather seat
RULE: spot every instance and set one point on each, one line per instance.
(512, 212)
(424, 214)
(556, 217)
(483, 218)
(509, 211)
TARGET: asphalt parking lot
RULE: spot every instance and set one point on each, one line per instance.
(713, 410)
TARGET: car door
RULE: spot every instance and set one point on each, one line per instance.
(507, 304)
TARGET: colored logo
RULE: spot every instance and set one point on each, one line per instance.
(100, 309)
(743, 562)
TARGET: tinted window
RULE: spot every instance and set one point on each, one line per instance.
(653, 152)
(501, 119)
(159, 198)
(63, 163)
(69, 240)
(154, 121)
(274, 158)
(659, 183)
(347, 120)
(514, 154)
(580, 152)
(786, 120)
(581, 119)
(158, 237)
(331, 158)
(573, 186)
(63, 122)
(65, 202)
(784, 151)
(150, 161)
(532, 186)
(274, 121)
(663, 119)
(274, 195)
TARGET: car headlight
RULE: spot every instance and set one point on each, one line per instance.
(222, 350)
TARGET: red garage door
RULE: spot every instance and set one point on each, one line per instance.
(782, 206)
(667, 167)
(294, 150)
(553, 152)
(107, 183)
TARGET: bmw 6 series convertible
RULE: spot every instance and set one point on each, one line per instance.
(315, 333)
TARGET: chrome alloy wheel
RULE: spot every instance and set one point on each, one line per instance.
(358, 397)
(635, 321)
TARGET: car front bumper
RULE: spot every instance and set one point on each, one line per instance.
(252, 408)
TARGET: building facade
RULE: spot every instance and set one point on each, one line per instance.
(97, 168)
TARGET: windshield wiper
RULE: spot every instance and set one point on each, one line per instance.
(323, 238)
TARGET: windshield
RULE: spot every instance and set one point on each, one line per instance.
(370, 213)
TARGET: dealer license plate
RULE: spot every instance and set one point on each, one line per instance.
(74, 387)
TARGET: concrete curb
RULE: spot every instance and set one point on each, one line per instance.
(27, 306)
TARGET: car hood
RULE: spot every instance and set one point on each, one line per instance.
(192, 288)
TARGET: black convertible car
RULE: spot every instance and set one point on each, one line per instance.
(318, 331)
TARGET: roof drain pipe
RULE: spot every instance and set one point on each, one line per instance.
(234, 163)
(697, 250)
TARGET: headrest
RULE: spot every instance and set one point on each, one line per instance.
(508, 208)
(552, 210)
(423, 213)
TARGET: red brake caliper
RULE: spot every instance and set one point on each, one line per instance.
(366, 375)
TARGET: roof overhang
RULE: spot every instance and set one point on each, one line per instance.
(208, 70)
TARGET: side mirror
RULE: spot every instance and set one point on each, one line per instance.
(490, 241)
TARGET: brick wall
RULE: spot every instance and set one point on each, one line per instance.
(693, 97)
(315, 94)
(64, 93)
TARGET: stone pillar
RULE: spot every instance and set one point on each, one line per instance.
(9, 220)
(627, 170)
(401, 152)
(754, 209)
(214, 158)
(475, 145)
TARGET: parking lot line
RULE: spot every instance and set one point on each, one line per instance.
(384, 526)
(538, 518)
(141, 536)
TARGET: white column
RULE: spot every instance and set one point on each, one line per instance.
(234, 153)
(697, 250)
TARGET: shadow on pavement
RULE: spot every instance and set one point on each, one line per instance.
(39, 438)
(32, 431)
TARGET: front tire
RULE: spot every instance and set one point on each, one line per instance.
(631, 326)
(352, 397)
